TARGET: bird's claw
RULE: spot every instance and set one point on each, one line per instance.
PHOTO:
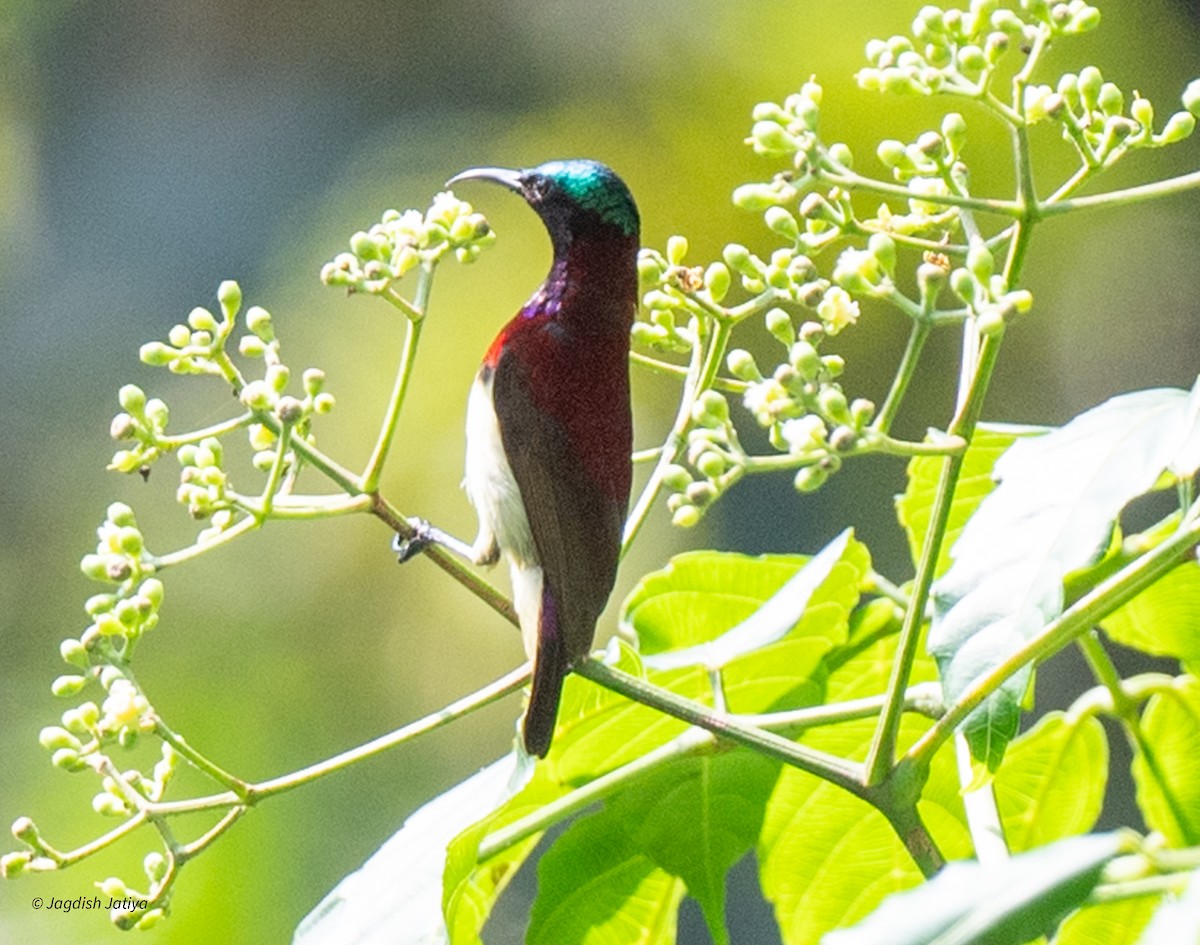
(408, 548)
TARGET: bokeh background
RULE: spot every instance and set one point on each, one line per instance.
(150, 149)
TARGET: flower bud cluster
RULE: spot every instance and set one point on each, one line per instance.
(788, 129)
(800, 403)
(197, 346)
(401, 242)
(713, 453)
(37, 857)
(958, 50)
(141, 422)
(670, 290)
(1094, 117)
(202, 480)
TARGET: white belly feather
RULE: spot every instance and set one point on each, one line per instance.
(503, 524)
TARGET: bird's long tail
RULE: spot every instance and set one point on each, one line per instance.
(550, 666)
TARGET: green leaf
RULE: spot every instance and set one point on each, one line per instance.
(913, 508)
(1177, 920)
(370, 902)
(1052, 783)
(1107, 923)
(1162, 620)
(702, 596)
(1054, 507)
(696, 817)
(1005, 903)
(595, 887)
(1166, 768)
(826, 858)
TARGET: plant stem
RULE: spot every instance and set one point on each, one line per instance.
(883, 747)
(1118, 198)
(904, 374)
(412, 337)
(195, 436)
(689, 742)
(844, 774)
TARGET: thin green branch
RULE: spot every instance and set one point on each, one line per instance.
(195, 436)
(852, 181)
(883, 746)
(688, 743)
(1128, 195)
(391, 416)
(844, 774)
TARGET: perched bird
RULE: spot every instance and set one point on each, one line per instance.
(549, 430)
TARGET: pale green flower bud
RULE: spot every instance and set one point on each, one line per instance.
(1111, 99)
(954, 131)
(1090, 83)
(180, 336)
(782, 222)
(741, 260)
(779, 324)
(1142, 112)
(676, 478)
(201, 319)
(686, 516)
(810, 479)
(229, 294)
(323, 403)
(883, 248)
(132, 399)
(716, 280)
(677, 247)
(257, 395)
(1191, 97)
(13, 865)
(742, 365)
(156, 354)
(710, 410)
(701, 494)
(52, 738)
(68, 760)
(258, 322)
(1179, 126)
(68, 685)
(963, 285)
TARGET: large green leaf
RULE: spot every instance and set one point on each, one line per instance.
(1054, 507)
(735, 603)
(826, 858)
(1107, 923)
(596, 887)
(701, 594)
(915, 505)
(696, 817)
(1052, 782)
(1166, 768)
(1164, 619)
(1004, 903)
(397, 894)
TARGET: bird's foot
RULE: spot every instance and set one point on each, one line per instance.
(408, 548)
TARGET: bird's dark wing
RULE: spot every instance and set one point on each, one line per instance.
(576, 529)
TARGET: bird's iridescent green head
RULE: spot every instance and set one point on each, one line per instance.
(573, 197)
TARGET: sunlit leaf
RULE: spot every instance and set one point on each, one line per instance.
(595, 887)
(826, 858)
(1054, 507)
(1166, 768)
(1004, 903)
(1163, 620)
(1107, 923)
(1052, 782)
(698, 816)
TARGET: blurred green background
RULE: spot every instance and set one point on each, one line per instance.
(149, 150)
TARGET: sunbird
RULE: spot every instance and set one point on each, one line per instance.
(549, 426)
